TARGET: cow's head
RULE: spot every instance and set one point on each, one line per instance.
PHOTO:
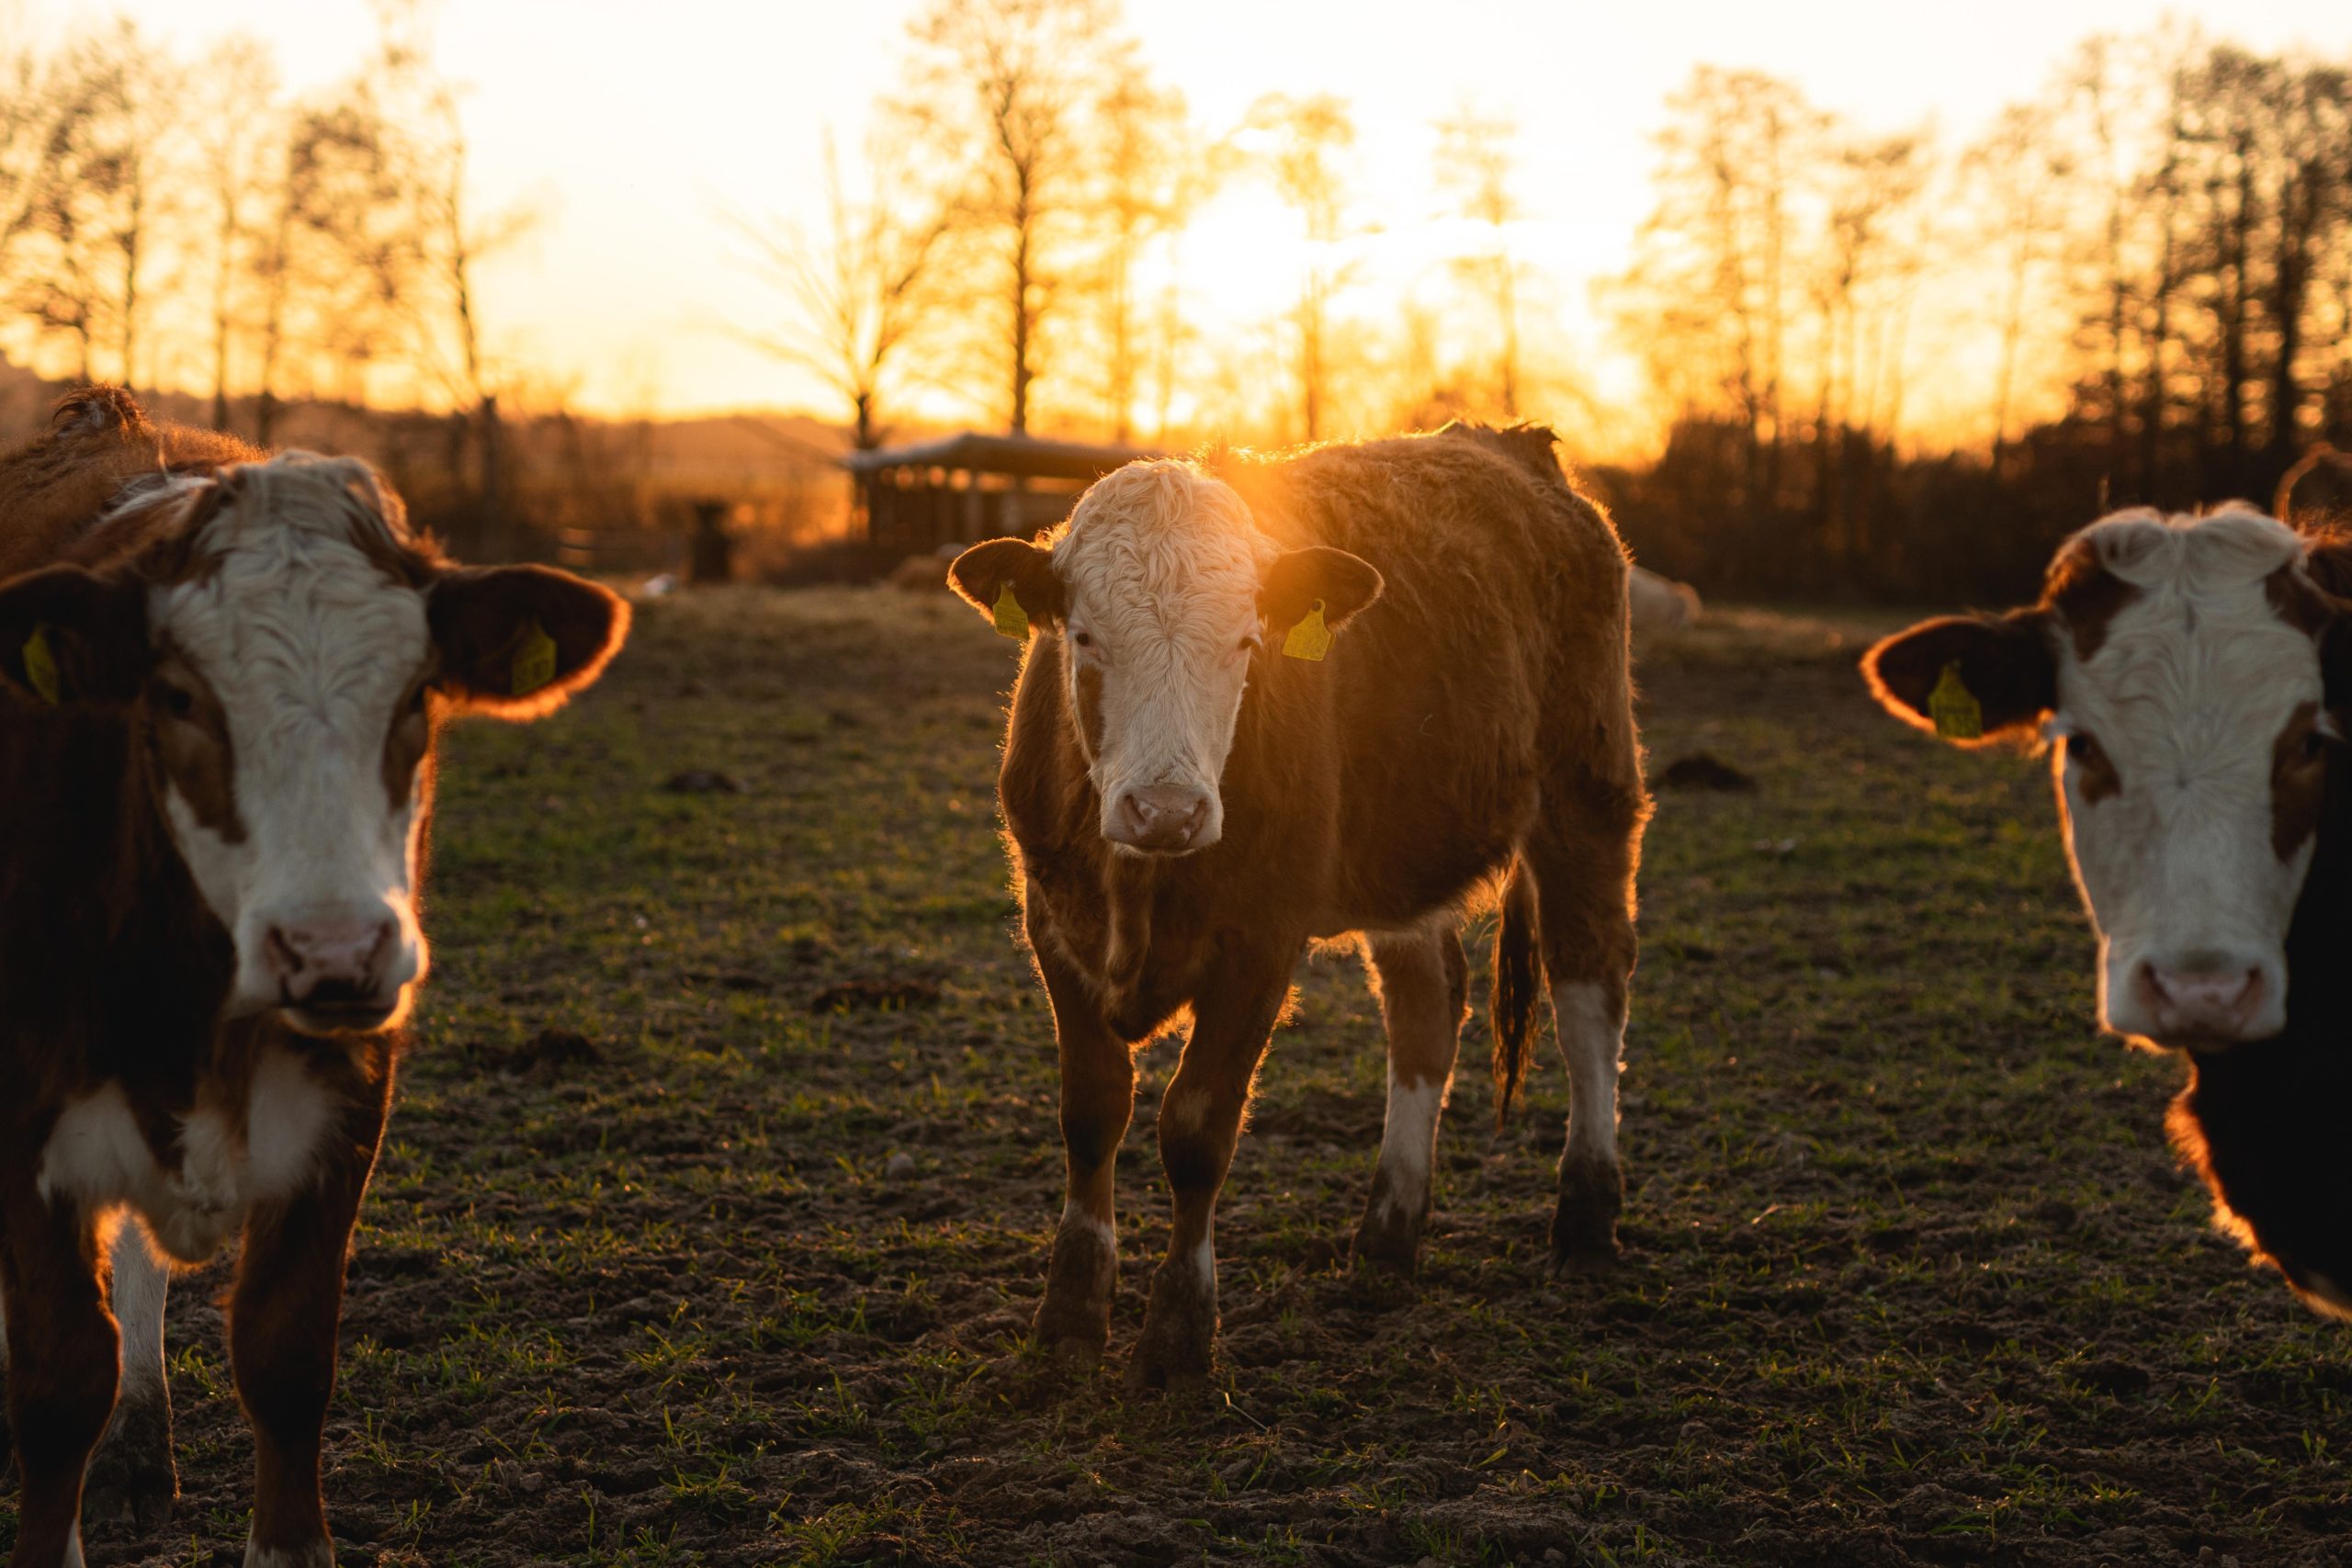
(282, 653)
(1158, 598)
(2180, 664)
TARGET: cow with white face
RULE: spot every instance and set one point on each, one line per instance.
(1336, 696)
(220, 679)
(2182, 666)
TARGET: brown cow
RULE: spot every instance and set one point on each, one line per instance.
(220, 679)
(1337, 692)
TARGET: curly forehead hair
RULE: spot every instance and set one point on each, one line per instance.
(1146, 511)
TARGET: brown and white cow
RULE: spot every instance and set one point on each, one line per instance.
(2193, 673)
(220, 679)
(1296, 699)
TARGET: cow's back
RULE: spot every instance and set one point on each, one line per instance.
(98, 446)
(1495, 657)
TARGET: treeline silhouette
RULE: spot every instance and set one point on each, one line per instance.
(1883, 364)
(2134, 288)
(183, 221)
(2160, 250)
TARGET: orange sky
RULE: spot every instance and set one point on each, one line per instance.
(631, 126)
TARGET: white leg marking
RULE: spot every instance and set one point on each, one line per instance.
(317, 1554)
(139, 1283)
(1408, 1140)
(73, 1558)
(1592, 1038)
(1077, 1217)
(1417, 1007)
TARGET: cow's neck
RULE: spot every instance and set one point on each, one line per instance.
(2319, 981)
(102, 876)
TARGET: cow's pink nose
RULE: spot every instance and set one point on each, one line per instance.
(2202, 994)
(1161, 817)
(331, 963)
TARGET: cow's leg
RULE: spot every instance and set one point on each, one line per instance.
(1200, 1119)
(1424, 984)
(1073, 1323)
(131, 1475)
(1583, 864)
(62, 1360)
(283, 1313)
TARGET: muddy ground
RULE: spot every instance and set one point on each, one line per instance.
(720, 1187)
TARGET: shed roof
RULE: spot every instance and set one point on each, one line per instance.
(1029, 457)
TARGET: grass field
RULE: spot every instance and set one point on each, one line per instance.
(720, 1187)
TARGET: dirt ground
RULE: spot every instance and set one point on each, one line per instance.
(719, 1191)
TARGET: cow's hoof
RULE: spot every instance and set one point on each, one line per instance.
(130, 1481)
(1582, 1265)
(1387, 1245)
(1071, 1334)
(1179, 1345)
(1075, 1356)
(1168, 1371)
(1389, 1238)
(1583, 1227)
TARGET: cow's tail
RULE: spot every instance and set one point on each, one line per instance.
(1519, 986)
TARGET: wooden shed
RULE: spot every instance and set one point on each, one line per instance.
(971, 487)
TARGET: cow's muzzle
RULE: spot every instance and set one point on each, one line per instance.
(2205, 999)
(337, 974)
(1162, 819)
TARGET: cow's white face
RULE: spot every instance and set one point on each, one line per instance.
(289, 693)
(2194, 747)
(1160, 573)
(2178, 664)
(281, 650)
(1165, 594)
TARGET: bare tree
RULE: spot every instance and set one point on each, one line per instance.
(239, 130)
(2019, 176)
(1708, 300)
(98, 197)
(1149, 176)
(859, 293)
(1001, 93)
(1306, 142)
(1475, 163)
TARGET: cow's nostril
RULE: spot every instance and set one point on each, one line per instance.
(1161, 818)
(280, 956)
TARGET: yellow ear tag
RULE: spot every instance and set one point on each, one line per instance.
(1958, 715)
(534, 661)
(1310, 638)
(40, 665)
(1011, 620)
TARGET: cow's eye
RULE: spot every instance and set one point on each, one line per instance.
(2082, 749)
(2314, 745)
(178, 701)
(1252, 643)
(1082, 639)
(416, 699)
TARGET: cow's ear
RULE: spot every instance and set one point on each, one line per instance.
(517, 641)
(1298, 580)
(1971, 679)
(71, 636)
(983, 574)
(2327, 561)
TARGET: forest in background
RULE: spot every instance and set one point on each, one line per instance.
(2147, 268)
